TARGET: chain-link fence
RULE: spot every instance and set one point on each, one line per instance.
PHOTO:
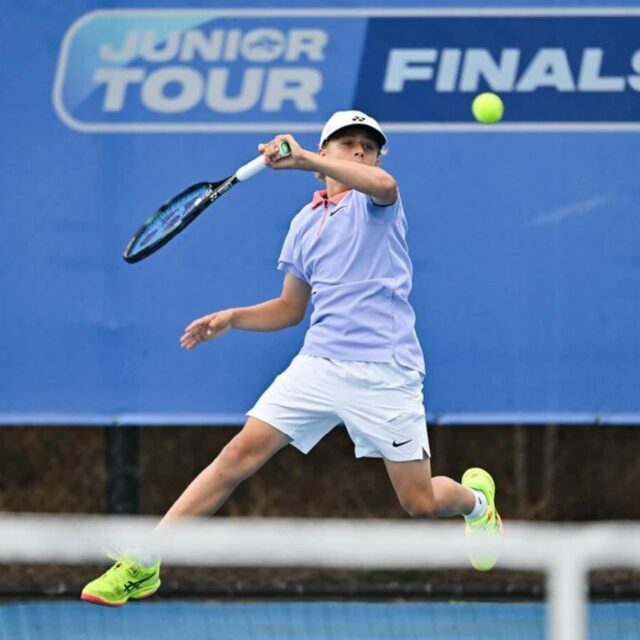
(542, 473)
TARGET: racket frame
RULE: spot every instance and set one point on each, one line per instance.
(215, 191)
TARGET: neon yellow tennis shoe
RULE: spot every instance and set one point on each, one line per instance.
(125, 579)
(490, 523)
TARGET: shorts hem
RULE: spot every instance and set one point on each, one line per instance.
(256, 414)
(407, 458)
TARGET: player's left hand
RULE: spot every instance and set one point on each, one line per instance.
(208, 327)
(271, 151)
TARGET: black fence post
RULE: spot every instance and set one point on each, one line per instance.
(123, 472)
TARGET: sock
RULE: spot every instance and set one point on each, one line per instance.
(481, 505)
(144, 558)
(147, 560)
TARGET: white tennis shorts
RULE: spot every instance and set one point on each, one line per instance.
(380, 403)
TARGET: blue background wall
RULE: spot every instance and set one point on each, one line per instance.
(524, 235)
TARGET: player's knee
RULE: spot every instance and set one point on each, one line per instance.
(419, 506)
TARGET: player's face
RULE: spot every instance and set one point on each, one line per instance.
(354, 144)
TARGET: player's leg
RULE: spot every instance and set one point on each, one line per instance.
(425, 497)
(245, 453)
(298, 403)
(384, 414)
(137, 575)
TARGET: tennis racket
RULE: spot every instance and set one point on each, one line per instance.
(179, 212)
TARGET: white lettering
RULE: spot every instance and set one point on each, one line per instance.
(466, 70)
(479, 64)
(310, 42)
(296, 85)
(195, 42)
(128, 52)
(256, 45)
(634, 81)
(448, 70)
(217, 98)
(117, 81)
(232, 45)
(263, 45)
(590, 78)
(276, 86)
(400, 69)
(152, 53)
(549, 68)
(191, 89)
(241, 88)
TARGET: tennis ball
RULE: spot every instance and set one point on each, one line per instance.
(487, 108)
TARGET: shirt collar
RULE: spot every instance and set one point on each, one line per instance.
(320, 197)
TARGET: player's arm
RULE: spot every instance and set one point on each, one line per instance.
(285, 311)
(373, 181)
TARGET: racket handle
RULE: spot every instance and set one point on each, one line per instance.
(256, 165)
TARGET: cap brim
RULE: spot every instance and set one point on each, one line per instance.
(380, 137)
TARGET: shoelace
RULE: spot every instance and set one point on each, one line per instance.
(122, 561)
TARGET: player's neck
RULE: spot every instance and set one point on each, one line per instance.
(334, 187)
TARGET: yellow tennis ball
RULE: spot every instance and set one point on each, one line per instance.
(487, 108)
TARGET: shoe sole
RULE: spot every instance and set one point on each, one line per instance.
(146, 594)
(103, 603)
(87, 597)
(486, 564)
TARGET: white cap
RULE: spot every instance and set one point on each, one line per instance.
(341, 119)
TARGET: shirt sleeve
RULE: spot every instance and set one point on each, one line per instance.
(290, 260)
(382, 212)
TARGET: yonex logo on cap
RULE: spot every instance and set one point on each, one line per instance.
(342, 119)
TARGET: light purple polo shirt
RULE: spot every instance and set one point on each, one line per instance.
(353, 253)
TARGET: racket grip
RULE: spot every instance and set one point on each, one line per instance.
(257, 164)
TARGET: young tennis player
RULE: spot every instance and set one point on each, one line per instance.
(361, 363)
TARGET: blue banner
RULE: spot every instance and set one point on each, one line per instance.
(182, 69)
(550, 69)
(211, 70)
(523, 234)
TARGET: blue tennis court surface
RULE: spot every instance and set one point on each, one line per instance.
(302, 620)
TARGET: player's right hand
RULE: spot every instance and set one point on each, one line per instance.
(207, 328)
(271, 152)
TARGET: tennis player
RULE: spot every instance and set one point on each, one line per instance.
(361, 363)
